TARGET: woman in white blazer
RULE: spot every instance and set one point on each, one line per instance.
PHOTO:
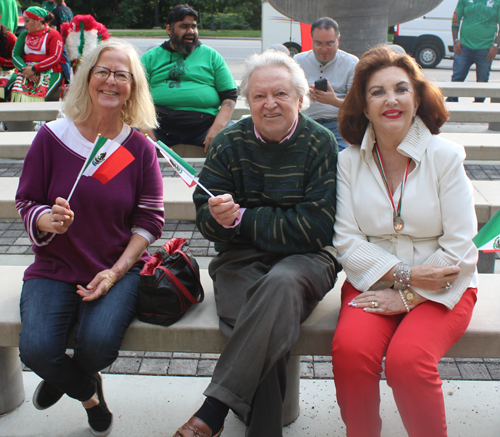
(405, 219)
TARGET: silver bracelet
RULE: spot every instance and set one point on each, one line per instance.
(402, 274)
(404, 301)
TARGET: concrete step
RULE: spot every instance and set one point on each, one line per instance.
(474, 112)
(483, 146)
(179, 205)
(470, 89)
(178, 199)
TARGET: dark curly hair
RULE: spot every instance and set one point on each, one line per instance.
(4, 50)
(352, 119)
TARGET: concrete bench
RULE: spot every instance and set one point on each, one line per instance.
(178, 199)
(470, 89)
(199, 332)
(478, 146)
(46, 111)
(179, 206)
(474, 112)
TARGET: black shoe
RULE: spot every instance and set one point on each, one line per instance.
(100, 418)
(46, 395)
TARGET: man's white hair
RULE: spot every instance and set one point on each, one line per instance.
(272, 59)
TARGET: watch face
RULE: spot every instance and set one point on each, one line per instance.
(410, 295)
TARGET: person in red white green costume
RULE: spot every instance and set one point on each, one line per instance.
(37, 57)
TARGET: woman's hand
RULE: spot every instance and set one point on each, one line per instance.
(223, 209)
(433, 277)
(386, 302)
(99, 286)
(58, 220)
(61, 216)
(30, 74)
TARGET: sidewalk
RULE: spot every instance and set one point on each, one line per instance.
(148, 406)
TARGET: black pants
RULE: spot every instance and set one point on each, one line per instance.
(182, 127)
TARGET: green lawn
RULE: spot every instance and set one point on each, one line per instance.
(202, 33)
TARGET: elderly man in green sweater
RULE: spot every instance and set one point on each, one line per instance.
(274, 177)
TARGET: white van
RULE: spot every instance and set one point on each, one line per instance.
(429, 37)
(279, 29)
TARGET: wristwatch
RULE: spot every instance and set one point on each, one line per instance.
(410, 297)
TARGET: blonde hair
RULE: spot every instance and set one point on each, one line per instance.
(139, 110)
(272, 58)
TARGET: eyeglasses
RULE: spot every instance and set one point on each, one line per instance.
(102, 73)
(320, 45)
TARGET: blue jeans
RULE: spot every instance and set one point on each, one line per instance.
(461, 66)
(49, 311)
(333, 127)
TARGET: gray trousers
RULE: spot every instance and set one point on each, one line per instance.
(262, 298)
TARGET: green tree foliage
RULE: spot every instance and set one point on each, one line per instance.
(140, 14)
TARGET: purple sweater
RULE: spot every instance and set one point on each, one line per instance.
(104, 214)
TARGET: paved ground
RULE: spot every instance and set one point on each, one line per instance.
(476, 172)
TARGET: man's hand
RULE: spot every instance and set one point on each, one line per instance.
(327, 97)
(214, 130)
(220, 122)
(492, 53)
(457, 47)
(223, 209)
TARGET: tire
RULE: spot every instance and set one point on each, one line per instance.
(293, 48)
(428, 55)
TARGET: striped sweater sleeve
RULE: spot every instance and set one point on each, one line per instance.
(149, 212)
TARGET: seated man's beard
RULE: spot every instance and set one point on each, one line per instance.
(183, 46)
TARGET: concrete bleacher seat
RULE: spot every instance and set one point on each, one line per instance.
(461, 112)
(198, 331)
(470, 89)
(177, 195)
(478, 146)
(179, 206)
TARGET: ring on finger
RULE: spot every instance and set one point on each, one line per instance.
(374, 304)
(448, 285)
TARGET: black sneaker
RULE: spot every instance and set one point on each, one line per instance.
(46, 395)
(100, 418)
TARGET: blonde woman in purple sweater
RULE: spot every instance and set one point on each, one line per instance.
(88, 253)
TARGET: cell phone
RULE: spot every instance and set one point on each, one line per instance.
(321, 84)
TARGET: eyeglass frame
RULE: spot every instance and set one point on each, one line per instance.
(114, 74)
(329, 44)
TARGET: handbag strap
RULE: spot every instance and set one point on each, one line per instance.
(181, 286)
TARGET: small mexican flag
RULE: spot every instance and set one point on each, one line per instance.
(488, 238)
(181, 167)
(107, 159)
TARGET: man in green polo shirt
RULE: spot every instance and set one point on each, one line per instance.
(191, 84)
(478, 42)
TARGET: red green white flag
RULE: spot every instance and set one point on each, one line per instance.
(488, 238)
(106, 160)
(186, 171)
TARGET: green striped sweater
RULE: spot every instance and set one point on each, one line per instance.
(288, 189)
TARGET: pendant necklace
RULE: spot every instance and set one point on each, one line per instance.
(397, 221)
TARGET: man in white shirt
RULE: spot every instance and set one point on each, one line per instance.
(326, 60)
